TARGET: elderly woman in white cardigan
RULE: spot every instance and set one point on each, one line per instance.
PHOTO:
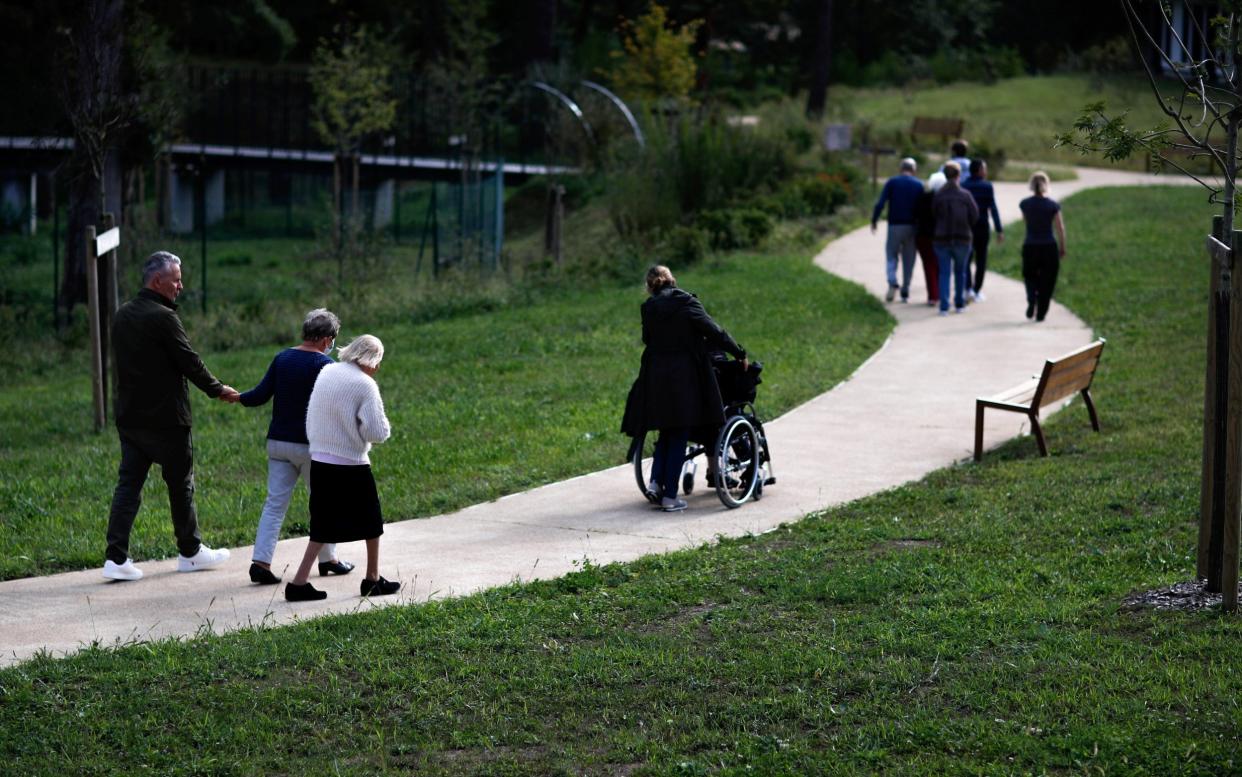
(344, 417)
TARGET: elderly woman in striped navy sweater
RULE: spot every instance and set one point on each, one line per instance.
(344, 418)
(288, 385)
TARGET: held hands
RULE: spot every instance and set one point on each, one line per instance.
(1000, 237)
(230, 395)
(745, 364)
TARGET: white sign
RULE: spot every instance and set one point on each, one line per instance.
(107, 241)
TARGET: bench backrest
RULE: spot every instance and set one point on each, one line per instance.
(931, 125)
(1068, 375)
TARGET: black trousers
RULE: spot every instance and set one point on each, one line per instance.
(982, 235)
(173, 450)
(1040, 264)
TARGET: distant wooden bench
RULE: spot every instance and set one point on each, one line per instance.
(1061, 378)
(944, 128)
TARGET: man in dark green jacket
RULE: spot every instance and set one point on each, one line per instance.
(153, 360)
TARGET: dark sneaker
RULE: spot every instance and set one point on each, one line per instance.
(379, 587)
(303, 593)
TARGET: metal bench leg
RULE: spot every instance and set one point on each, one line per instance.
(1039, 434)
(1095, 419)
(978, 431)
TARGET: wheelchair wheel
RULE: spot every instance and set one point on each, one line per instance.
(737, 455)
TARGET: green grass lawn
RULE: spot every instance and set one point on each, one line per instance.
(1020, 116)
(965, 624)
(482, 405)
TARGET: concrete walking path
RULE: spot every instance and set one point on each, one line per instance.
(909, 410)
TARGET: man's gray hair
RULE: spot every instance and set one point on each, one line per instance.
(908, 165)
(320, 323)
(158, 262)
(365, 351)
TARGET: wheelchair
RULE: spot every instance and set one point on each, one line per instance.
(739, 464)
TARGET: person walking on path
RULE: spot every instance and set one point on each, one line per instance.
(901, 194)
(344, 417)
(287, 384)
(1042, 251)
(957, 155)
(924, 231)
(676, 389)
(153, 360)
(956, 213)
(985, 197)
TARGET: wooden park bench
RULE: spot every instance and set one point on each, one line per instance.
(1061, 378)
(945, 129)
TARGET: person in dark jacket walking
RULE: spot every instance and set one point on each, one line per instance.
(956, 214)
(153, 360)
(676, 389)
(901, 194)
(985, 197)
(288, 384)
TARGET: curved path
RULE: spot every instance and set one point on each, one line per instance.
(907, 411)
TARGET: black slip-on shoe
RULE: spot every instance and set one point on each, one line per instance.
(262, 576)
(335, 568)
(303, 593)
(379, 587)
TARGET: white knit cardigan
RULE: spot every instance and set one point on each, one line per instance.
(345, 414)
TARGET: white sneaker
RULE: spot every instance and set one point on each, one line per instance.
(970, 296)
(126, 571)
(980, 296)
(206, 558)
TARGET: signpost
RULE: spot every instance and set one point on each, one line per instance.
(101, 252)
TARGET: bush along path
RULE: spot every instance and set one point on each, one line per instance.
(908, 411)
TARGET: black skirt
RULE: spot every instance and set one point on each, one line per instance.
(344, 505)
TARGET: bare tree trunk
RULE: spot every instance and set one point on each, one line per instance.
(354, 216)
(90, 91)
(817, 95)
(338, 201)
(543, 31)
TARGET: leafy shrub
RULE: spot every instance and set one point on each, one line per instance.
(685, 245)
(732, 228)
(983, 63)
(690, 167)
(824, 193)
(721, 228)
(995, 157)
(755, 226)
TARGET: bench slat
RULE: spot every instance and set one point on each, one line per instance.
(1081, 373)
(1020, 394)
(1073, 360)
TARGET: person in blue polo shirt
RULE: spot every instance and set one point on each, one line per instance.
(900, 193)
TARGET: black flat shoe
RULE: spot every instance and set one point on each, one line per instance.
(335, 568)
(379, 587)
(262, 576)
(303, 593)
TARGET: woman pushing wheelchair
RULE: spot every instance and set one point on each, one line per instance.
(676, 391)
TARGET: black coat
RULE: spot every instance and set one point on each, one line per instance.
(153, 359)
(676, 386)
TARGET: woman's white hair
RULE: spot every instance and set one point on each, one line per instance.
(365, 351)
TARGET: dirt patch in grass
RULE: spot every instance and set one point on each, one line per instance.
(906, 543)
(1188, 596)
